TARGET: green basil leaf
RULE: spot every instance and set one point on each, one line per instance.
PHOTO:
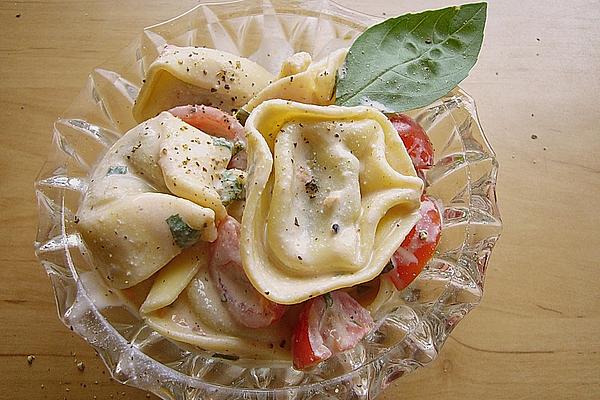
(219, 141)
(410, 61)
(117, 170)
(233, 187)
(242, 115)
(183, 234)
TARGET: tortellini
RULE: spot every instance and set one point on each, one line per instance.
(156, 192)
(193, 75)
(194, 167)
(331, 194)
(304, 81)
(200, 317)
(173, 278)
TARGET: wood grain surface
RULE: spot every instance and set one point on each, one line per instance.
(536, 333)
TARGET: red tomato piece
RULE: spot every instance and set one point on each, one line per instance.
(243, 301)
(216, 123)
(415, 140)
(210, 120)
(327, 325)
(418, 247)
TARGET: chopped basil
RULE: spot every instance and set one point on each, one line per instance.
(117, 170)
(233, 187)
(242, 115)
(219, 141)
(184, 235)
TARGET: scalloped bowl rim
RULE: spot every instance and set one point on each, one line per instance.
(191, 380)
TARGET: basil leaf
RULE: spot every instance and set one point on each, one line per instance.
(117, 170)
(219, 141)
(242, 115)
(410, 61)
(233, 187)
(183, 234)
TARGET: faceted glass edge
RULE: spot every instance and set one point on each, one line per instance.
(465, 155)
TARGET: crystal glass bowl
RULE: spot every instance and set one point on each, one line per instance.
(413, 324)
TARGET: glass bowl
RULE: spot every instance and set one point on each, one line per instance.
(412, 325)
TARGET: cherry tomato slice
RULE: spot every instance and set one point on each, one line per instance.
(415, 140)
(210, 120)
(328, 324)
(418, 247)
(216, 123)
(243, 301)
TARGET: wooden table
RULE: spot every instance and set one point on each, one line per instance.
(537, 332)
